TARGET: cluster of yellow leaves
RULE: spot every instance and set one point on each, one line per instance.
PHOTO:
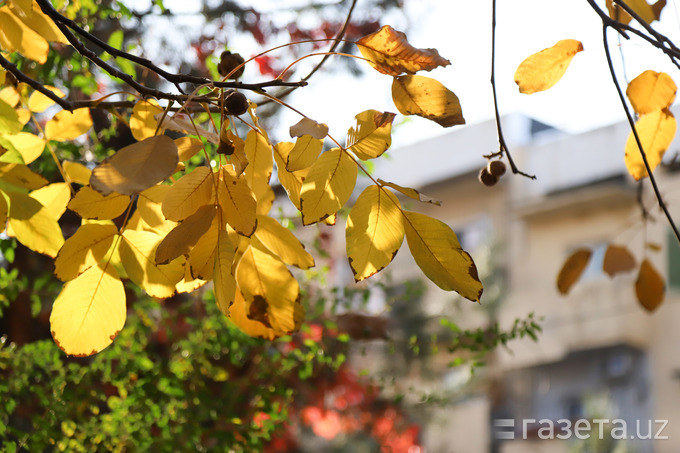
(649, 286)
(651, 95)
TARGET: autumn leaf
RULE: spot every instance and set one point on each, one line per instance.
(656, 131)
(4, 211)
(89, 312)
(307, 126)
(184, 236)
(238, 202)
(224, 281)
(544, 69)
(261, 164)
(83, 250)
(77, 172)
(38, 102)
(252, 328)
(136, 167)
(411, 193)
(282, 242)
(374, 232)
(291, 181)
(20, 175)
(572, 269)
(143, 124)
(371, 136)
(651, 91)
(436, 250)
(328, 186)
(187, 147)
(67, 125)
(33, 225)
(9, 121)
(304, 153)
(201, 260)
(426, 97)
(90, 204)
(648, 13)
(650, 287)
(54, 197)
(17, 36)
(30, 146)
(150, 210)
(389, 52)
(617, 259)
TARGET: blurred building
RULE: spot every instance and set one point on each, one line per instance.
(601, 355)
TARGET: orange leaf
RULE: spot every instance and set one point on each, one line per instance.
(572, 269)
(649, 287)
(617, 259)
(651, 91)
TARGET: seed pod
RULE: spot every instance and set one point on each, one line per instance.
(235, 103)
(487, 178)
(496, 167)
(228, 62)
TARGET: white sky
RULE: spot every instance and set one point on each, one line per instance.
(461, 31)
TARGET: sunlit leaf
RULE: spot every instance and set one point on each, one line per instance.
(411, 193)
(271, 292)
(291, 181)
(372, 134)
(189, 284)
(656, 131)
(617, 259)
(90, 204)
(136, 167)
(436, 250)
(30, 146)
(17, 36)
(223, 278)
(389, 52)
(142, 122)
(137, 252)
(238, 158)
(328, 186)
(651, 91)
(307, 126)
(544, 69)
(428, 98)
(237, 202)
(21, 176)
(252, 328)
(201, 259)
(77, 172)
(650, 287)
(187, 147)
(189, 193)
(38, 102)
(67, 125)
(572, 269)
(374, 232)
(89, 312)
(150, 210)
(9, 121)
(43, 25)
(83, 250)
(304, 153)
(54, 198)
(180, 240)
(33, 225)
(282, 243)
(178, 124)
(261, 165)
(11, 96)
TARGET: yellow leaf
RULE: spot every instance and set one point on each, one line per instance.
(617, 259)
(282, 242)
(21, 176)
(149, 209)
(544, 69)
(180, 240)
(30, 146)
(77, 172)
(374, 232)
(238, 158)
(136, 167)
(90, 204)
(271, 292)
(54, 198)
(189, 193)
(68, 125)
(142, 122)
(189, 284)
(33, 225)
(389, 52)
(201, 261)
(647, 12)
(43, 25)
(328, 186)
(266, 201)
(304, 153)
(411, 193)
(650, 287)
(223, 278)
(11, 96)
(372, 134)
(572, 269)
(137, 251)
(656, 131)
(21, 8)
(178, 124)
(651, 91)
(437, 252)
(307, 126)
(38, 102)
(238, 202)
(3, 212)
(89, 312)
(188, 147)
(425, 97)
(84, 249)
(17, 36)
(9, 121)
(259, 154)
(291, 181)
(239, 316)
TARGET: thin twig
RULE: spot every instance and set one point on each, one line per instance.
(501, 140)
(631, 122)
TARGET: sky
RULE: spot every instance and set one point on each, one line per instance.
(461, 31)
